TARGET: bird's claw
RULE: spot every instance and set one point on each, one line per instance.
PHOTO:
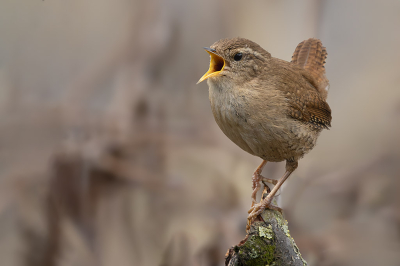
(257, 209)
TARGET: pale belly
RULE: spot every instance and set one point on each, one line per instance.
(262, 132)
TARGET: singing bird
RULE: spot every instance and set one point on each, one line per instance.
(269, 107)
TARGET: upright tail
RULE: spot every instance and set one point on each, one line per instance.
(311, 55)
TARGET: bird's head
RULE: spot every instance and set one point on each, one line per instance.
(238, 58)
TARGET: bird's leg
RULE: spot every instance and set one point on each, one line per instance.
(265, 193)
(266, 203)
(257, 177)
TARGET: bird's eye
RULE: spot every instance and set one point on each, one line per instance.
(238, 57)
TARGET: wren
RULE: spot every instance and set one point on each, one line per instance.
(269, 107)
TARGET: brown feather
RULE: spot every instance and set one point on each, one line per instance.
(310, 108)
(311, 55)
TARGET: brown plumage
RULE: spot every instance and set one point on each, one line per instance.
(269, 107)
(311, 55)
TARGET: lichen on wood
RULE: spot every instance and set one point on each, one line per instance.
(268, 243)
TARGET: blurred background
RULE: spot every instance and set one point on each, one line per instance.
(109, 153)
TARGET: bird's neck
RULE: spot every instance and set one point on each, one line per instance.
(220, 85)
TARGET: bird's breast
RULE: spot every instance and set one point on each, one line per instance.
(255, 120)
(230, 113)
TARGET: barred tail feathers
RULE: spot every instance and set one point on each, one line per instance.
(311, 55)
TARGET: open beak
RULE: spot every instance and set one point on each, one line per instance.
(217, 64)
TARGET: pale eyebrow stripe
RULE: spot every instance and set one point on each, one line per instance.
(251, 51)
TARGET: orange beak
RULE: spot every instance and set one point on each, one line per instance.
(217, 64)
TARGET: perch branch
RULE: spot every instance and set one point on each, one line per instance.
(268, 242)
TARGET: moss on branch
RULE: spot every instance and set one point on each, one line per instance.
(268, 243)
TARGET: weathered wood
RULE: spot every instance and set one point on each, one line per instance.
(268, 243)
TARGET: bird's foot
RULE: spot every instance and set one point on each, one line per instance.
(269, 180)
(257, 178)
(257, 209)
